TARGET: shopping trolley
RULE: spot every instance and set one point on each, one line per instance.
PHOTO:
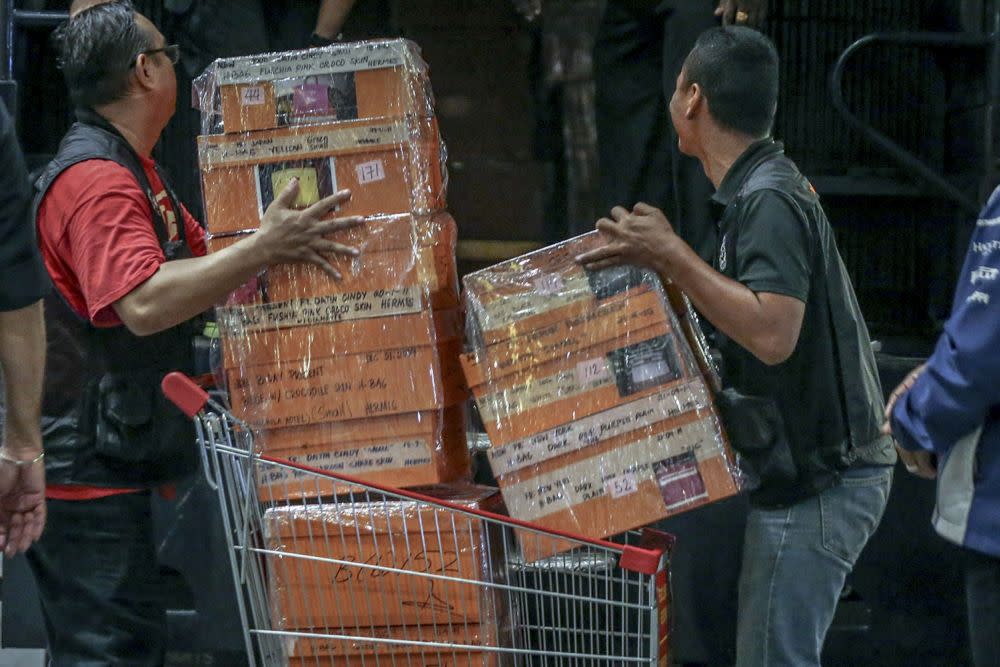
(334, 571)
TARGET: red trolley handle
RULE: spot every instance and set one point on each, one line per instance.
(184, 393)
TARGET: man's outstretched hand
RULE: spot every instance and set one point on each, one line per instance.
(22, 504)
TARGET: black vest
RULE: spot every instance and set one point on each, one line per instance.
(846, 365)
(105, 421)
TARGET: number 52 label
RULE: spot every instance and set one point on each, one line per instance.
(622, 485)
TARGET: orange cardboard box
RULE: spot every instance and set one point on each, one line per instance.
(431, 268)
(543, 288)
(563, 390)
(334, 586)
(625, 482)
(348, 386)
(390, 167)
(612, 319)
(436, 454)
(375, 79)
(310, 652)
(319, 341)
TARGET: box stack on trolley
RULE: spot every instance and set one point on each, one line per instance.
(358, 375)
(595, 404)
(597, 412)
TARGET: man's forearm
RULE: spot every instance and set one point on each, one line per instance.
(22, 355)
(733, 308)
(331, 17)
(183, 289)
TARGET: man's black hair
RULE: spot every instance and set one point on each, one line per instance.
(97, 48)
(737, 70)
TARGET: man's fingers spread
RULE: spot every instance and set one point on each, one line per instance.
(333, 248)
(338, 224)
(314, 257)
(619, 213)
(327, 204)
(602, 264)
(608, 227)
(598, 254)
(643, 208)
(286, 197)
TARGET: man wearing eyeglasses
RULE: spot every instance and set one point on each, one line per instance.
(131, 278)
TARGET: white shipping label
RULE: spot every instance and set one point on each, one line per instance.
(241, 149)
(548, 284)
(624, 485)
(252, 96)
(567, 487)
(358, 460)
(300, 64)
(241, 320)
(369, 172)
(592, 370)
(597, 428)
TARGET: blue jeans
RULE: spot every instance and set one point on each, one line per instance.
(795, 561)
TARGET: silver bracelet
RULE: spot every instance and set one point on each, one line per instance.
(20, 463)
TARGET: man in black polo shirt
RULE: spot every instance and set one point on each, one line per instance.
(23, 283)
(793, 343)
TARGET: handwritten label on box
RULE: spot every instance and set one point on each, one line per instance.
(592, 370)
(252, 96)
(370, 172)
(622, 485)
(548, 284)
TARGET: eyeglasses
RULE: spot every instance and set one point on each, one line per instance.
(172, 51)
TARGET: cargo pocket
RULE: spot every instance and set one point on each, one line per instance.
(125, 420)
(756, 431)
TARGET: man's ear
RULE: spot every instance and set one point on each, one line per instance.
(143, 70)
(694, 101)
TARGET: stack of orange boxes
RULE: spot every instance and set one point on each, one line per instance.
(598, 415)
(397, 571)
(358, 375)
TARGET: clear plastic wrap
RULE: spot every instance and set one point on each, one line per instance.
(353, 81)
(407, 571)
(358, 375)
(597, 409)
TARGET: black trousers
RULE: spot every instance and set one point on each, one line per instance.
(638, 53)
(982, 593)
(99, 584)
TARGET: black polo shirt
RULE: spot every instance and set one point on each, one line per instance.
(23, 279)
(775, 238)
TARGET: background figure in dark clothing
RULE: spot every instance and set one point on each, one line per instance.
(23, 283)
(639, 52)
(640, 49)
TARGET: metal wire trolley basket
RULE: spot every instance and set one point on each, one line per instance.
(336, 572)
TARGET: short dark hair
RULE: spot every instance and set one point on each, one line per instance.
(97, 48)
(737, 70)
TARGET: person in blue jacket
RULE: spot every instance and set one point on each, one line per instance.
(945, 417)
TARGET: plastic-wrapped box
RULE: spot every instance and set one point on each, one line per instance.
(359, 374)
(599, 417)
(390, 166)
(323, 569)
(373, 79)
(405, 450)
